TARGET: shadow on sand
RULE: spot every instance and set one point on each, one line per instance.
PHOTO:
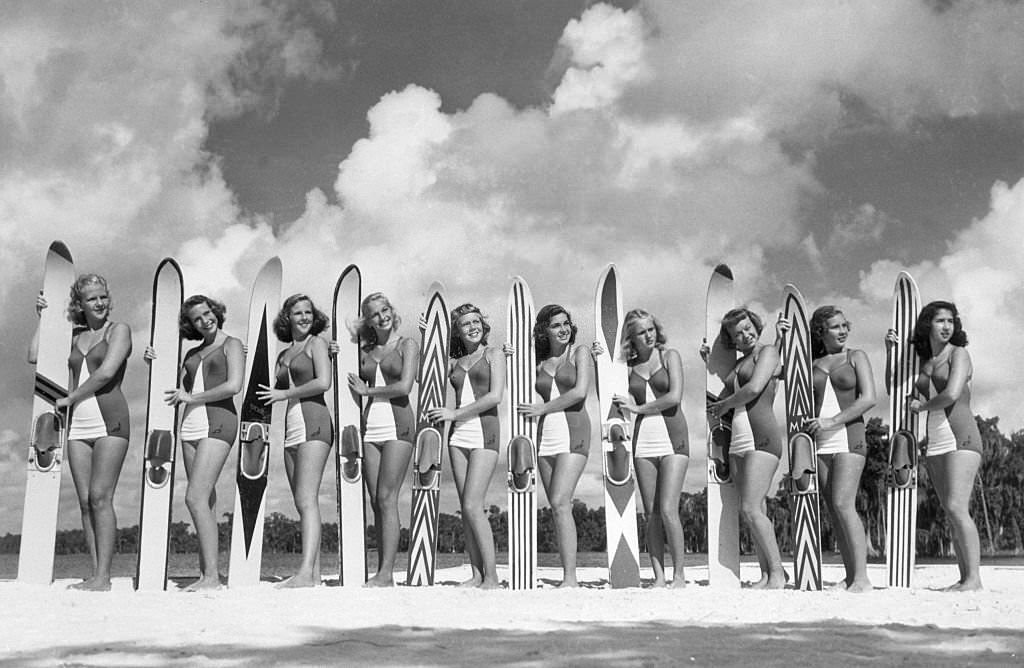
(650, 644)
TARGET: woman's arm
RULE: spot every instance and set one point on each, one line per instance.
(33, 346)
(865, 400)
(960, 369)
(764, 371)
(119, 346)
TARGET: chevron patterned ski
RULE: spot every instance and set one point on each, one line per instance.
(803, 459)
(349, 453)
(261, 430)
(623, 542)
(48, 433)
(522, 450)
(158, 458)
(723, 498)
(426, 474)
(905, 429)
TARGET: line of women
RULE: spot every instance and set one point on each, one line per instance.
(212, 376)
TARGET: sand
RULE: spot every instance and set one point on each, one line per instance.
(446, 625)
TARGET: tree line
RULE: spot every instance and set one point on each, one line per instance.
(997, 506)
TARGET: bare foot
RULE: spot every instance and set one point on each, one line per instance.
(470, 583)
(489, 583)
(770, 582)
(860, 586)
(205, 584)
(973, 584)
(658, 583)
(678, 582)
(760, 584)
(380, 580)
(297, 581)
(92, 584)
(569, 583)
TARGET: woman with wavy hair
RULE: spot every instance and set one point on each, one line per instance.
(99, 428)
(565, 376)
(756, 443)
(844, 390)
(953, 446)
(211, 375)
(661, 445)
(388, 364)
(303, 376)
(477, 374)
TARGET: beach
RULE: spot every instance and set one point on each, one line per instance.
(448, 625)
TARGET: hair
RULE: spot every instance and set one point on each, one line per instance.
(818, 325)
(283, 324)
(733, 318)
(185, 326)
(923, 327)
(636, 315)
(76, 311)
(365, 333)
(455, 346)
(540, 329)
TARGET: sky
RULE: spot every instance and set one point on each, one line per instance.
(828, 144)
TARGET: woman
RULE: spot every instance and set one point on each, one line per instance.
(564, 377)
(661, 447)
(99, 429)
(844, 390)
(477, 374)
(211, 375)
(387, 370)
(303, 377)
(953, 442)
(756, 442)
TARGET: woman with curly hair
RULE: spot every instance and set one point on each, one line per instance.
(477, 374)
(211, 375)
(844, 390)
(565, 375)
(99, 429)
(756, 443)
(303, 377)
(388, 364)
(953, 442)
(661, 446)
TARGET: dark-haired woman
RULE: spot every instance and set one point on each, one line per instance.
(387, 371)
(303, 376)
(661, 444)
(844, 390)
(953, 442)
(756, 443)
(99, 429)
(564, 377)
(477, 374)
(211, 375)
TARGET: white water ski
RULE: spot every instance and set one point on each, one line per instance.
(47, 433)
(161, 440)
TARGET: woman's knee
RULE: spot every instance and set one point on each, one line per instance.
(100, 499)
(198, 499)
(751, 511)
(307, 504)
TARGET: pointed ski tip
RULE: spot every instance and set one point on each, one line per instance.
(724, 270)
(436, 287)
(59, 248)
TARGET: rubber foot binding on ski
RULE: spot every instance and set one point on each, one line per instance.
(159, 451)
(428, 457)
(46, 440)
(253, 441)
(617, 459)
(521, 464)
(351, 452)
(903, 460)
(802, 467)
